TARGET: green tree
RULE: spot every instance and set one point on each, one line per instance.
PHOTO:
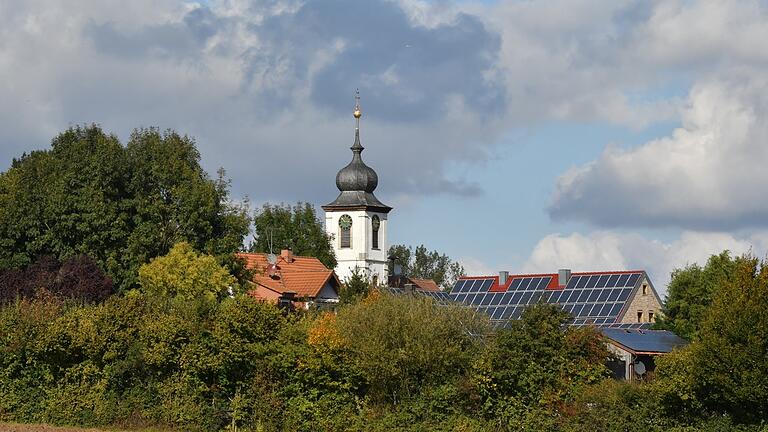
(425, 264)
(282, 226)
(690, 293)
(122, 206)
(403, 344)
(538, 361)
(186, 274)
(723, 369)
(355, 287)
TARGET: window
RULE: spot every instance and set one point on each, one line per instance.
(645, 289)
(375, 224)
(650, 316)
(345, 226)
(640, 316)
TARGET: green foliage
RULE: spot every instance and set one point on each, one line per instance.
(423, 264)
(355, 287)
(538, 363)
(691, 291)
(723, 370)
(186, 274)
(122, 206)
(298, 227)
(382, 363)
(401, 343)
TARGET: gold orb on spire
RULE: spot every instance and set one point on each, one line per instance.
(357, 112)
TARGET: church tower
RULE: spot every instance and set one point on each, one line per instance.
(356, 220)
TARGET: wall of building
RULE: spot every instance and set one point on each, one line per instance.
(361, 254)
(642, 303)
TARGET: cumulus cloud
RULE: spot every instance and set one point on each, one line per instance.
(265, 86)
(260, 82)
(706, 175)
(610, 250)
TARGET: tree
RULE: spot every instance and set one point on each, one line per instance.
(723, 369)
(355, 287)
(403, 344)
(691, 291)
(186, 274)
(298, 227)
(120, 205)
(77, 277)
(423, 264)
(538, 361)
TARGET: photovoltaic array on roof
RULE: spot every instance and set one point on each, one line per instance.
(592, 299)
(439, 296)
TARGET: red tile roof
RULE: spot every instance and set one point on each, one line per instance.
(426, 284)
(306, 276)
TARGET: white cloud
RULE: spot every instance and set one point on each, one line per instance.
(609, 250)
(707, 174)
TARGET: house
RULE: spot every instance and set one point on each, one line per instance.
(304, 281)
(618, 298)
(399, 281)
(623, 305)
(635, 350)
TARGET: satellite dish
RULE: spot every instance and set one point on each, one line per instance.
(640, 368)
(272, 259)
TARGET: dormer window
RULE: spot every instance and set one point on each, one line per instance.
(375, 224)
(345, 234)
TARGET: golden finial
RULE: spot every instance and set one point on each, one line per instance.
(357, 112)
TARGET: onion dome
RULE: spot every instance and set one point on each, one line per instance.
(357, 181)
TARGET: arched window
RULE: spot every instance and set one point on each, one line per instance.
(345, 226)
(375, 224)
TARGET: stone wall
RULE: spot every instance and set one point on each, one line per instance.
(644, 303)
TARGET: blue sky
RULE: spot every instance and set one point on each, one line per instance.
(513, 135)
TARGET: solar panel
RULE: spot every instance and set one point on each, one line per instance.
(633, 279)
(582, 282)
(458, 286)
(645, 340)
(524, 284)
(624, 294)
(594, 295)
(592, 281)
(603, 281)
(526, 298)
(584, 296)
(486, 284)
(572, 282)
(515, 284)
(612, 281)
(623, 280)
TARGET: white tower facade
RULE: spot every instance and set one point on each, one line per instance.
(356, 220)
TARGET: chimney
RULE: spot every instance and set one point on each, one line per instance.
(503, 275)
(563, 276)
(287, 255)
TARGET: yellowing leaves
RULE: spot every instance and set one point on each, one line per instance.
(186, 274)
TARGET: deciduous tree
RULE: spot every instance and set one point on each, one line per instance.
(281, 226)
(120, 205)
(425, 264)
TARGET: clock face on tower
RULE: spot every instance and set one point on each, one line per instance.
(375, 222)
(345, 222)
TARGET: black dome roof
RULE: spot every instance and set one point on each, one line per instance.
(357, 176)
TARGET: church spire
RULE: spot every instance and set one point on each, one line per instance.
(357, 147)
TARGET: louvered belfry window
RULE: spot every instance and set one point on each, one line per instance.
(345, 228)
(375, 224)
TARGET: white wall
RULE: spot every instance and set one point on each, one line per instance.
(361, 255)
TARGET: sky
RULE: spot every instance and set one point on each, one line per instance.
(513, 135)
